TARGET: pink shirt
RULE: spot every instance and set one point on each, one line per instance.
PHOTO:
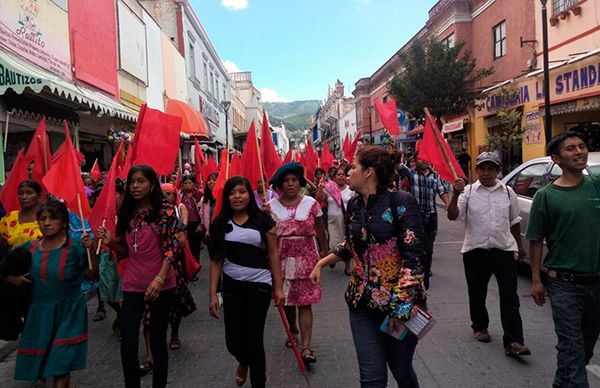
(145, 262)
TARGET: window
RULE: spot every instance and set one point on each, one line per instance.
(499, 40)
(192, 71)
(529, 180)
(212, 84)
(224, 93)
(216, 86)
(206, 76)
(559, 6)
(449, 40)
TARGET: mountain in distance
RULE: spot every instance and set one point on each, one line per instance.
(294, 115)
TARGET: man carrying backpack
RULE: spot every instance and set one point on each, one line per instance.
(490, 211)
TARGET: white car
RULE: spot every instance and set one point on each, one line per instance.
(534, 174)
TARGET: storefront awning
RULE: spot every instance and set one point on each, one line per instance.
(192, 122)
(18, 75)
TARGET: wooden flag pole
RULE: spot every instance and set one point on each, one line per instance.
(44, 140)
(84, 233)
(437, 134)
(100, 240)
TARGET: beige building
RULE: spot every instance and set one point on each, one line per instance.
(332, 110)
(249, 96)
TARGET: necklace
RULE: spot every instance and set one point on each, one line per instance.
(64, 240)
(139, 226)
(293, 206)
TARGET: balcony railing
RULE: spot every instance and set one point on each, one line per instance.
(559, 6)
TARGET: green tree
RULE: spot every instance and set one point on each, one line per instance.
(436, 76)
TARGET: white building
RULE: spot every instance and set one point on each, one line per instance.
(281, 140)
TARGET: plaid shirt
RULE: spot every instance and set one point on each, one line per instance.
(424, 188)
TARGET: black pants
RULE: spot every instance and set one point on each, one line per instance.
(480, 265)
(131, 317)
(245, 306)
(430, 227)
(194, 239)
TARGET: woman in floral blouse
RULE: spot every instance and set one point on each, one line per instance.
(385, 239)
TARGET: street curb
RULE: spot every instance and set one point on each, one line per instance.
(7, 347)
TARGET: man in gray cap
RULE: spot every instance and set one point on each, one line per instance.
(490, 211)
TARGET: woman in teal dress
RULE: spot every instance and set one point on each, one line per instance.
(54, 341)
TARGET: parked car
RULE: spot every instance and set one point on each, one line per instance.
(534, 174)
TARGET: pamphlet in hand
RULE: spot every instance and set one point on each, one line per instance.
(419, 325)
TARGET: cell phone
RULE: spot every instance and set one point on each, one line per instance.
(398, 333)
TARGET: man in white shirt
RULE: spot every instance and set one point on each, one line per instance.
(490, 211)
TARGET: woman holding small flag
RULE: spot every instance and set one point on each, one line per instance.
(385, 240)
(298, 220)
(245, 254)
(146, 233)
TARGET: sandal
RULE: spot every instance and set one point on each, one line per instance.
(146, 368)
(175, 344)
(308, 356)
(100, 315)
(241, 374)
(288, 344)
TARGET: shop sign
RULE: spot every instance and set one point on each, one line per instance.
(453, 126)
(9, 78)
(533, 129)
(37, 30)
(209, 111)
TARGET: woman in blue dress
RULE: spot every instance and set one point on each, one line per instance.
(54, 341)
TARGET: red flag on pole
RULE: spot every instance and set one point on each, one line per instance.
(9, 195)
(270, 158)
(95, 172)
(105, 209)
(288, 156)
(39, 152)
(250, 166)
(208, 168)
(236, 165)
(346, 144)
(388, 114)
(178, 178)
(298, 156)
(326, 158)
(79, 157)
(199, 160)
(310, 162)
(434, 149)
(351, 150)
(156, 143)
(64, 181)
(220, 183)
(127, 164)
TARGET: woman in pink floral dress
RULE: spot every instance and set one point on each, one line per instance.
(298, 221)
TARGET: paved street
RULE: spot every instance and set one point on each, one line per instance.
(447, 357)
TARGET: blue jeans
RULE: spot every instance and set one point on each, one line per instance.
(576, 314)
(377, 350)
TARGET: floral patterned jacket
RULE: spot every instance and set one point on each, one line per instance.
(386, 242)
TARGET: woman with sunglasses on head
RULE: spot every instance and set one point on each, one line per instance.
(385, 240)
(245, 254)
(146, 233)
(54, 340)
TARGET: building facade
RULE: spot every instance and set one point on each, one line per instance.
(250, 98)
(331, 111)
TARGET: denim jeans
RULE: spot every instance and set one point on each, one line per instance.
(430, 227)
(377, 350)
(576, 314)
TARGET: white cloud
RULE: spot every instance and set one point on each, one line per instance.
(231, 66)
(270, 95)
(235, 4)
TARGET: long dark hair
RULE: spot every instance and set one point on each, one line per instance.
(129, 206)
(31, 184)
(208, 195)
(58, 210)
(219, 225)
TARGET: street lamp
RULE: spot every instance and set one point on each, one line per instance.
(369, 111)
(547, 114)
(226, 105)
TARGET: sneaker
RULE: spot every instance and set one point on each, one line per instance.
(482, 336)
(517, 349)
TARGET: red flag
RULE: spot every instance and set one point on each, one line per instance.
(127, 164)
(220, 183)
(326, 158)
(351, 151)
(270, 158)
(64, 181)
(208, 168)
(199, 160)
(156, 142)
(95, 172)
(346, 144)
(310, 162)
(178, 179)
(298, 156)
(79, 157)
(288, 156)
(430, 150)
(39, 152)
(250, 166)
(236, 165)
(388, 114)
(105, 209)
(9, 195)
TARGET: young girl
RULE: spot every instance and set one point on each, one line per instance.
(245, 253)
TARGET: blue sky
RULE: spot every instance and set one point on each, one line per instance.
(295, 48)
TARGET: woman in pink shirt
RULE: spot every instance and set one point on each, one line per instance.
(147, 234)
